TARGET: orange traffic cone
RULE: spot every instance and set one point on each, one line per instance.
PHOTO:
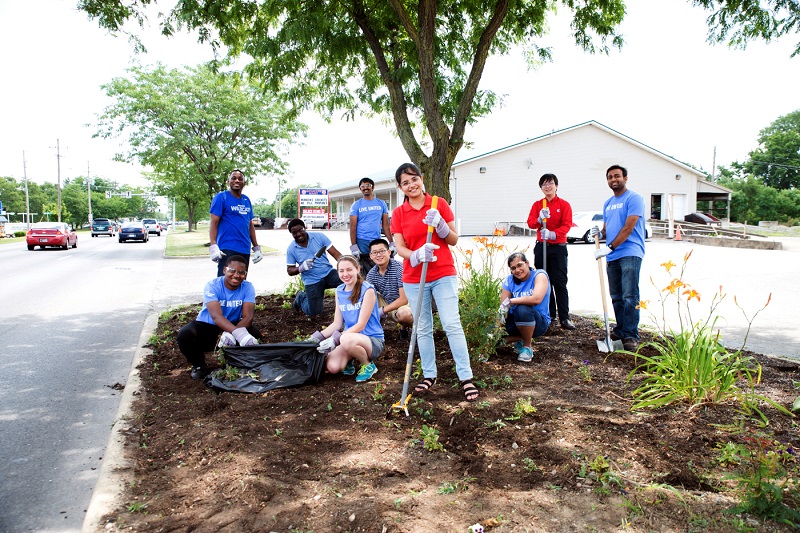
(678, 233)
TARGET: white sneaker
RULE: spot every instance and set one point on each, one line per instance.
(525, 355)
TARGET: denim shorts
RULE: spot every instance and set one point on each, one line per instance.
(377, 347)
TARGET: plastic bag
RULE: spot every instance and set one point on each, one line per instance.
(265, 367)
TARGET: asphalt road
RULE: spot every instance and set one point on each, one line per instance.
(72, 319)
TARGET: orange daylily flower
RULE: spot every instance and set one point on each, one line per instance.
(668, 265)
(673, 286)
(691, 293)
(642, 304)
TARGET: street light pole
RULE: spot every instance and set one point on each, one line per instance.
(89, 190)
(27, 199)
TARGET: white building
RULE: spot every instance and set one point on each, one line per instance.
(498, 187)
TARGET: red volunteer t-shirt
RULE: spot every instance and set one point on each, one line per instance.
(407, 221)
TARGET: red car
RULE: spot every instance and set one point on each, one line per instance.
(51, 234)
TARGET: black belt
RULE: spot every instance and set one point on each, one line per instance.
(561, 244)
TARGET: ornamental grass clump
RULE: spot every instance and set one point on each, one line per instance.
(692, 365)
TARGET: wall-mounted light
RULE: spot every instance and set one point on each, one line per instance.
(677, 176)
(530, 163)
(482, 170)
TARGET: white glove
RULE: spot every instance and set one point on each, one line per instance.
(216, 255)
(257, 255)
(243, 337)
(392, 249)
(433, 218)
(330, 343)
(502, 312)
(381, 313)
(226, 340)
(602, 252)
(355, 251)
(594, 231)
(543, 214)
(308, 264)
(423, 255)
(547, 235)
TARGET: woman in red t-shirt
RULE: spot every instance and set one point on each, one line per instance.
(409, 228)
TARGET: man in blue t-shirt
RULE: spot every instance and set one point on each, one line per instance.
(306, 256)
(231, 231)
(623, 229)
(367, 216)
(229, 303)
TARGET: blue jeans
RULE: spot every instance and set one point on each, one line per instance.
(312, 301)
(623, 286)
(445, 292)
(526, 315)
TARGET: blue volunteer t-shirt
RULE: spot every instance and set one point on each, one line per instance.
(616, 211)
(525, 288)
(296, 254)
(351, 311)
(369, 213)
(231, 301)
(235, 215)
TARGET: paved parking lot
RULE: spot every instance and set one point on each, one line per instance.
(749, 275)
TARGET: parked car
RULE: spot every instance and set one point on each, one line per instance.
(103, 226)
(703, 218)
(152, 226)
(57, 234)
(582, 222)
(134, 231)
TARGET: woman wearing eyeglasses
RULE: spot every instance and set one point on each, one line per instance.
(229, 304)
(409, 227)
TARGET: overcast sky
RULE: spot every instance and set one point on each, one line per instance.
(667, 88)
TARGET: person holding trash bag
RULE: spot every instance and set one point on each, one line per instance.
(229, 304)
(525, 305)
(623, 229)
(552, 217)
(357, 309)
(307, 256)
(409, 226)
(368, 215)
(231, 230)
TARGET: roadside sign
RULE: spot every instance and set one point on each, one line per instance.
(108, 195)
(313, 198)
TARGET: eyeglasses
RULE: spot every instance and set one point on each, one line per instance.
(376, 253)
(234, 271)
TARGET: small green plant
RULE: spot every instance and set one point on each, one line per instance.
(497, 425)
(378, 392)
(228, 373)
(530, 465)
(136, 507)
(599, 469)
(291, 288)
(483, 404)
(523, 407)
(730, 453)
(584, 370)
(430, 439)
(450, 487)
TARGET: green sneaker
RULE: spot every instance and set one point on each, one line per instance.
(518, 346)
(366, 372)
(350, 369)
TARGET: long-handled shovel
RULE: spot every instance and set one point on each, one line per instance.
(606, 345)
(402, 404)
(544, 241)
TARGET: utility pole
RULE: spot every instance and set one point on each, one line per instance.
(27, 199)
(58, 159)
(714, 167)
(89, 190)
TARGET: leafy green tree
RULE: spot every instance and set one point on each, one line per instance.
(777, 159)
(194, 126)
(419, 63)
(12, 194)
(175, 178)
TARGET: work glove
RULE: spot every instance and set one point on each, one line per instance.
(433, 218)
(226, 340)
(330, 343)
(547, 235)
(243, 337)
(216, 255)
(543, 214)
(594, 231)
(317, 337)
(381, 313)
(308, 264)
(602, 252)
(502, 312)
(392, 249)
(355, 250)
(423, 255)
(257, 255)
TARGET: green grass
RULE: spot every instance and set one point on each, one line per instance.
(181, 243)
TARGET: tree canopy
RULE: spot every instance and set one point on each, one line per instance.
(194, 126)
(776, 161)
(419, 63)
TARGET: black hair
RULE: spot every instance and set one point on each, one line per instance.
(406, 168)
(236, 170)
(548, 177)
(294, 222)
(366, 180)
(516, 255)
(618, 167)
(379, 241)
(236, 259)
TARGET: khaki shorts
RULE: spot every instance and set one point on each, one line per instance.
(391, 315)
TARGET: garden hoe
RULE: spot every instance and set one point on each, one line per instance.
(606, 345)
(544, 241)
(405, 396)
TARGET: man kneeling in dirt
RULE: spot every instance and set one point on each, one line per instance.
(387, 277)
(525, 307)
(229, 304)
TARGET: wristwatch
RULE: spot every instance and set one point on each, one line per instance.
(610, 246)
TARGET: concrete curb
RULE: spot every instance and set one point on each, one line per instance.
(116, 469)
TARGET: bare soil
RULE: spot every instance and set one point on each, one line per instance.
(327, 458)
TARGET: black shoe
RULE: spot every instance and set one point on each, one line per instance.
(615, 337)
(630, 344)
(567, 324)
(199, 372)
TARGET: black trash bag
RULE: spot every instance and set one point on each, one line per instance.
(264, 367)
